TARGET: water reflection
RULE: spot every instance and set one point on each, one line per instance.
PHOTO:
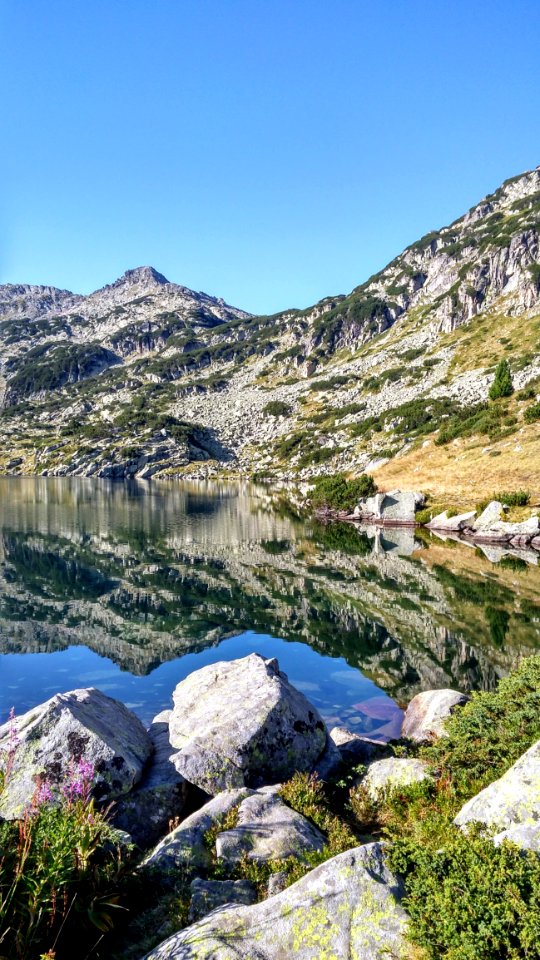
(145, 574)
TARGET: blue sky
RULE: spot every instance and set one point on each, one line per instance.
(268, 151)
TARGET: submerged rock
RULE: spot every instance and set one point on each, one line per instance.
(268, 829)
(347, 907)
(510, 806)
(242, 723)
(427, 712)
(56, 737)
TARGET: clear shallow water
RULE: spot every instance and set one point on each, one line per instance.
(131, 587)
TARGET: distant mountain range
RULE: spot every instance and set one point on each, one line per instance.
(146, 378)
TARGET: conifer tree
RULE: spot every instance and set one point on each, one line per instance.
(502, 385)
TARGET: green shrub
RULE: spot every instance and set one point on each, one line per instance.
(337, 493)
(532, 413)
(513, 498)
(502, 385)
(470, 900)
(491, 732)
(305, 793)
(277, 408)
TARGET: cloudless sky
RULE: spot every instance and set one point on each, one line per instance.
(268, 151)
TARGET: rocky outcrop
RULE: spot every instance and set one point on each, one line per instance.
(160, 796)
(427, 712)
(510, 807)
(347, 907)
(391, 773)
(74, 737)
(242, 723)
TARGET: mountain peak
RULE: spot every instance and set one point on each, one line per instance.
(144, 274)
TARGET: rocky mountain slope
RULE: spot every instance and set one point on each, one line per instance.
(147, 378)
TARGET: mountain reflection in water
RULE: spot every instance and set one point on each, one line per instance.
(130, 587)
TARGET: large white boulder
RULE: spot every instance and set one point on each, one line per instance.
(53, 740)
(396, 506)
(347, 907)
(241, 723)
(427, 712)
(510, 807)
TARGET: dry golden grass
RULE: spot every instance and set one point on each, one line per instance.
(466, 471)
(489, 337)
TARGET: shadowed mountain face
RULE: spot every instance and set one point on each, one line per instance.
(143, 575)
(148, 378)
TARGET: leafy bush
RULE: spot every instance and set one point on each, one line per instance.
(305, 793)
(502, 385)
(277, 408)
(338, 493)
(532, 413)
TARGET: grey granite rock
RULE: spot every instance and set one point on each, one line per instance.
(392, 772)
(161, 795)
(427, 712)
(185, 847)
(510, 807)
(56, 736)
(347, 907)
(268, 829)
(207, 895)
(242, 723)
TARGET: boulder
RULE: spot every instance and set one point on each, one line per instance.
(510, 807)
(425, 716)
(490, 515)
(392, 772)
(83, 730)
(268, 829)
(349, 906)
(185, 848)
(207, 895)
(160, 796)
(452, 524)
(241, 723)
(396, 506)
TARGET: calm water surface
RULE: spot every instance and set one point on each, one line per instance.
(131, 587)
